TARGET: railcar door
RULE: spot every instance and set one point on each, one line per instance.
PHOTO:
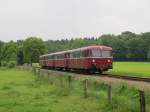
(66, 60)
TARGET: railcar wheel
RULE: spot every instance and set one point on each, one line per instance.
(67, 69)
(43, 67)
(91, 71)
(100, 71)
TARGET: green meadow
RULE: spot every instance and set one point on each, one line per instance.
(141, 69)
(22, 91)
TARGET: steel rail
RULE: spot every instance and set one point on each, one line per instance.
(133, 78)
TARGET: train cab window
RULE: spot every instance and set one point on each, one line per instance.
(106, 53)
(96, 53)
(54, 57)
(76, 54)
(71, 55)
(49, 57)
(85, 53)
(67, 55)
(45, 57)
(61, 56)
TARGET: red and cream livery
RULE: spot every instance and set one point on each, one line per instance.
(91, 58)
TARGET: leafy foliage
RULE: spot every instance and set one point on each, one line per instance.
(127, 46)
(148, 54)
(11, 64)
(32, 48)
(8, 51)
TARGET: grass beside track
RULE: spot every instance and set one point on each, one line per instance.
(140, 69)
(21, 91)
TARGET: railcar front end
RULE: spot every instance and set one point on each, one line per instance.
(101, 60)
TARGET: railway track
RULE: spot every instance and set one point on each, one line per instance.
(123, 77)
(133, 78)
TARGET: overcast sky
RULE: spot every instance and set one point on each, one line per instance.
(57, 19)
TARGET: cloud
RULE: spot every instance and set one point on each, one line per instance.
(56, 19)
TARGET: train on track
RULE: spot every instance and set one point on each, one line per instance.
(91, 59)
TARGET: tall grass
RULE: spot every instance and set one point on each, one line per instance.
(20, 90)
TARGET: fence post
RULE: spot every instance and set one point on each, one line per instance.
(34, 70)
(85, 84)
(48, 77)
(142, 101)
(39, 72)
(69, 81)
(109, 94)
(50, 80)
(61, 81)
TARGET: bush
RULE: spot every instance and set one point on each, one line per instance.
(11, 64)
(4, 63)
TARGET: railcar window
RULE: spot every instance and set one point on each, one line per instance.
(85, 53)
(96, 53)
(77, 54)
(49, 57)
(71, 55)
(52, 57)
(106, 54)
(67, 55)
(62, 56)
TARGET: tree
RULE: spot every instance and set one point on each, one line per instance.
(106, 40)
(128, 35)
(136, 50)
(9, 51)
(148, 54)
(119, 49)
(32, 48)
(20, 56)
(1, 50)
(146, 39)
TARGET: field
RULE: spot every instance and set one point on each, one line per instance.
(141, 69)
(21, 91)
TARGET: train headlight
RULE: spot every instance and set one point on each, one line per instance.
(108, 61)
(93, 60)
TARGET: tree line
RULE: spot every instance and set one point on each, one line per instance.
(127, 46)
(22, 51)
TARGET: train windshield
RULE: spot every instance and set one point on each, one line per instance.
(99, 53)
(106, 54)
(96, 53)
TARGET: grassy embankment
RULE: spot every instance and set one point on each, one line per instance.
(20, 91)
(141, 69)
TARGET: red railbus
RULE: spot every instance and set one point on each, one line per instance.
(96, 58)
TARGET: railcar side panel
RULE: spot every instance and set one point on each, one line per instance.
(98, 57)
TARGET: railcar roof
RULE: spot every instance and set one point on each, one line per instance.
(102, 47)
